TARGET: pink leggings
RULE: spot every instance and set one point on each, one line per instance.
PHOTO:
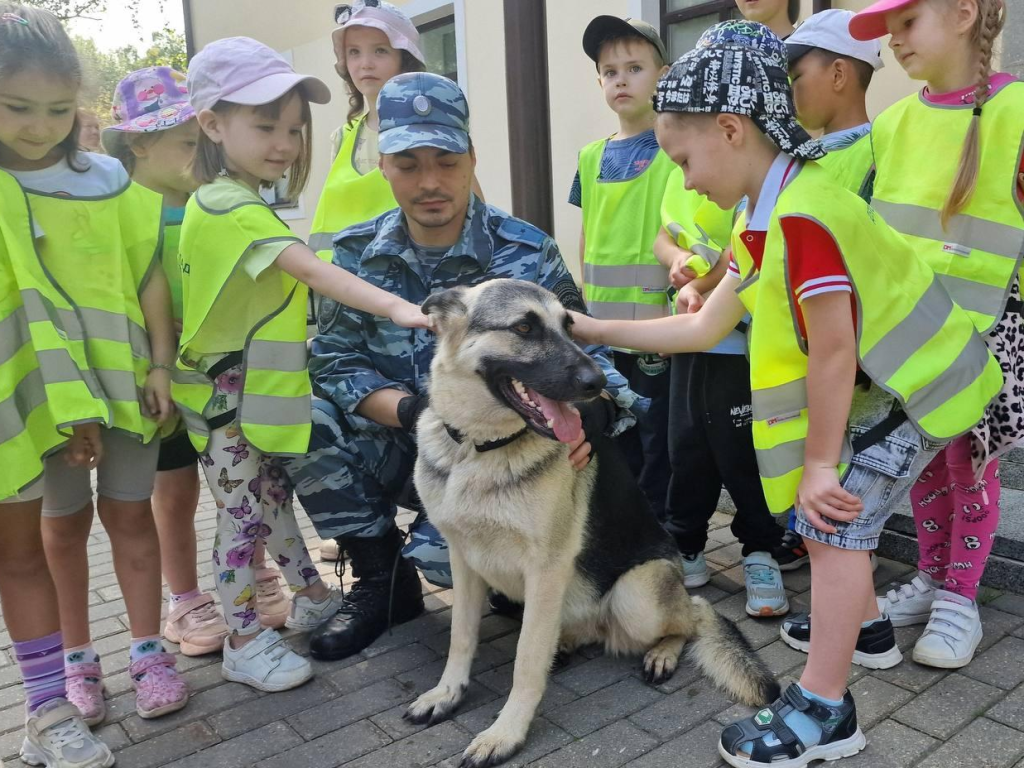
(956, 518)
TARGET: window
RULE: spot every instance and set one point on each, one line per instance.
(437, 40)
(683, 21)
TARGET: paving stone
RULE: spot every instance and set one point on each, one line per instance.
(594, 674)
(423, 749)
(709, 592)
(267, 709)
(1008, 603)
(1010, 711)
(543, 739)
(699, 746)
(380, 667)
(982, 744)
(425, 626)
(425, 678)
(393, 723)
(996, 624)
(726, 556)
(332, 749)
(491, 627)
(113, 736)
(681, 711)
(320, 720)
(597, 710)
(876, 700)
(609, 747)
(947, 706)
(915, 677)
(244, 750)
(480, 718)
(780, 658)
(759, 632)
(891, 745)
(10, 743)
(1002, 665)
(168, 747)
(200, 705)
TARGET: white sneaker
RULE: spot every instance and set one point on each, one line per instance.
(307, 615)
(57, 737)
(766, 595)
(911, 603)
(266, 663)
(952, 635)
(330, 552)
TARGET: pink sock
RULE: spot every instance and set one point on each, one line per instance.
(175, 599)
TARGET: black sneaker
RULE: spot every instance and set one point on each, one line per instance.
(840, 735)
(876, 644)
(791, 553)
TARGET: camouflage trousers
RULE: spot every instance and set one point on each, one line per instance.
(354, 477)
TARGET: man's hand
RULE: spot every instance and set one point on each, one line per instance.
(579, 452)
(821, 495)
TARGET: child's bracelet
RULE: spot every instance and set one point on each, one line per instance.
(160, 367)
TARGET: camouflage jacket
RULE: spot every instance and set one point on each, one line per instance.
(356, 354)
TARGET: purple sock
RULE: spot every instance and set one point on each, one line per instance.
(42, 669)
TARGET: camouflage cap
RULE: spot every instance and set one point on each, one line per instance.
(420, 109)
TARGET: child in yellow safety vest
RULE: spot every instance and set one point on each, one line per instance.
(959, 200)
(154, 136)
(241, 382)
(830, 288)
(619, 186)
(97, 237)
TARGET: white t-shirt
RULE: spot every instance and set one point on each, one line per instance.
(104, 176)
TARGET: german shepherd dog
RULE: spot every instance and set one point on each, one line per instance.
(581, 549)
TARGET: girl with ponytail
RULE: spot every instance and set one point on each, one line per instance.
(950, 177)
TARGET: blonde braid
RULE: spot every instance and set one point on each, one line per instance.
(991, 17)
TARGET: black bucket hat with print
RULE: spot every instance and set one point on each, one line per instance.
(739, 68)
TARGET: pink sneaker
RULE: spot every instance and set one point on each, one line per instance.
(196, 626)
(159, 689)
(85, 690)
(273, 605)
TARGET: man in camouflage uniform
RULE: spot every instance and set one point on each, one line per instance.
(372, 374)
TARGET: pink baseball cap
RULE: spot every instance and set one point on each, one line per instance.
(401, 32)
(870, 23)
(245, 71)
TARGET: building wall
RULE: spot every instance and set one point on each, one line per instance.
(578, 112)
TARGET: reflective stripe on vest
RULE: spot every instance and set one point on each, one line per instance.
(114, 242)
(912, 341)
(980, 252)
(348, 197)
(46, 386)
(622, 277)
(274, 406)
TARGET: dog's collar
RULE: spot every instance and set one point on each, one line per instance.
(490, 445)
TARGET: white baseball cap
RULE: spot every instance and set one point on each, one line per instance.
(830, 31)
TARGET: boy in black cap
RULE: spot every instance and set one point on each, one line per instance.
(831, 288)
(619, 185)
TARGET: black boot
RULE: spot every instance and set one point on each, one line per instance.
(364, 614)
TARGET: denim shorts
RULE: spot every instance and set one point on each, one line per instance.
(880, 475)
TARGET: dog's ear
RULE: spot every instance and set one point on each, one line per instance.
(446, 307)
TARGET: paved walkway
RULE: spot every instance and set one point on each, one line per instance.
(597, 712)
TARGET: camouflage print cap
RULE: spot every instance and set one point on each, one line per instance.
(739, 68)
(420, 109)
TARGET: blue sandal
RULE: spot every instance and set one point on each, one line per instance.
(840, 735)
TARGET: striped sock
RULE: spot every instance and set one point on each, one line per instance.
(42, 669)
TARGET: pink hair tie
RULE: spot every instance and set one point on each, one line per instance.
(13, 18)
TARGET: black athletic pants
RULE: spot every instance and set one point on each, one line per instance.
(711, 445)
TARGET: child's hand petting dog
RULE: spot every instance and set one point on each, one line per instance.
(85, 448)
(585, 328)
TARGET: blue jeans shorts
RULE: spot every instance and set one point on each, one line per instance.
(880, 475)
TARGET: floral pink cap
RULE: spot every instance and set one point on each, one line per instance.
(148, 100)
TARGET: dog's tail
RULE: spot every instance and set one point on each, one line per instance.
(726, 658)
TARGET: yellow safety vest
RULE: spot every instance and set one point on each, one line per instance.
(696, 223)
(99, 251)
(980, 252)
(45, 383)
(275, 402)
(912, 341)
(622, 278)
(348, 197)
(852, 166)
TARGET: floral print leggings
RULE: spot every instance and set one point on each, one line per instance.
(254, 501)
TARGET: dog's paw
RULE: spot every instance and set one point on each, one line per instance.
(492, 747)
(659, 665)
(435, 705)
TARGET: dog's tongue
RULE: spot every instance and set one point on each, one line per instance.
(565, 419)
